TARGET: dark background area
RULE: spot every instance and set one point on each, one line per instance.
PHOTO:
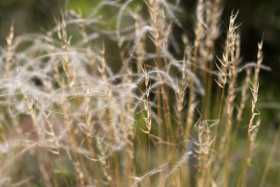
(258, 18)
(261, 18)
(28, 15)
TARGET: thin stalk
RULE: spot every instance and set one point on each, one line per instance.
(242, 178)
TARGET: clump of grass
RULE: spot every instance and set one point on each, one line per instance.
(145, 117)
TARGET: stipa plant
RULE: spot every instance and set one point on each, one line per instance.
(70, 116)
